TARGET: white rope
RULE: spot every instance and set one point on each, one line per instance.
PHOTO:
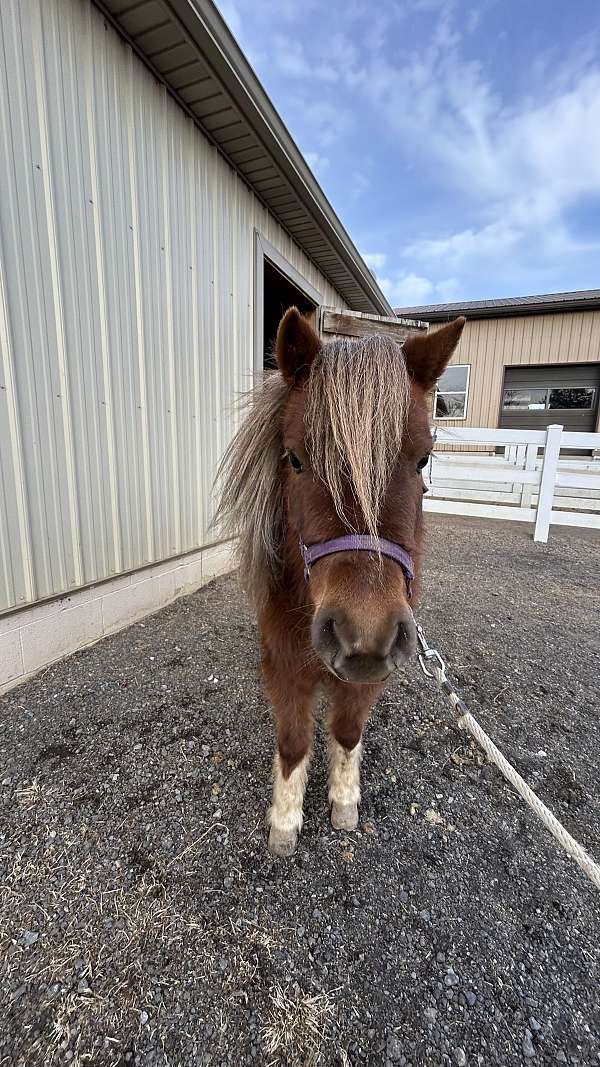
(570, 845)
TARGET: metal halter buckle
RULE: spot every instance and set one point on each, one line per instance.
(426, 654)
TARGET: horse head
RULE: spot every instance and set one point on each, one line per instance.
(356, 436)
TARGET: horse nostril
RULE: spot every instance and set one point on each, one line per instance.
(405, 642)
(328, 629)
(326, 634)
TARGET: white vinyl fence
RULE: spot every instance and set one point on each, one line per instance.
(529, 480)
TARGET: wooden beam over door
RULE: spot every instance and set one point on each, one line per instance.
(338, 322)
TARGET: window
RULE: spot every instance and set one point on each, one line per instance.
(524, 399)
(548, 399)
(576, 397)
(451, 394)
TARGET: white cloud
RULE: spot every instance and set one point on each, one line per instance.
(326, 122)
(375, 260)
(360, 184)
(316, 161)
(447, 290)
(473, 20)
(506, 164)
(522, 168)
(291, 58)
(402, 290)
(457, 248)
(537, 158)
(406, 288)
(272, 13)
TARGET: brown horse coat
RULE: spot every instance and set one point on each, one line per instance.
(333, 443)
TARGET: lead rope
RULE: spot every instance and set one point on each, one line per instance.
(434, 667)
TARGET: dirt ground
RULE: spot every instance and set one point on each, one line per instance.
(142, 920)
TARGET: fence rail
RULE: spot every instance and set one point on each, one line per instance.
(529, 481)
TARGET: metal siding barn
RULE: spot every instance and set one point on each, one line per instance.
(549, 336)
(127, 261)
(127, 285)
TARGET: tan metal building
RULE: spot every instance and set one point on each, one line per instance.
(521, 362)
(156, 218)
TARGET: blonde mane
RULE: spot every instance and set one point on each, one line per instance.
(356, 406)
(357, 398)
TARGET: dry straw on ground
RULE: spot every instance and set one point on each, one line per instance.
(296, 1026)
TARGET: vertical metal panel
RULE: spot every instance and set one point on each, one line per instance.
(490, 345)
(126, 306)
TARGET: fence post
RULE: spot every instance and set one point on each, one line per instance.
(529, 465)
(547, 482)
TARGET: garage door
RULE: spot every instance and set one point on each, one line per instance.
(536, 397)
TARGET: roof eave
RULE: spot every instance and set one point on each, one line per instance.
(248, 93)
(507, 310)
(208, 33)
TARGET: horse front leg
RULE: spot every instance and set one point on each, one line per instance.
(350, 707)
(286, 812)
(293, 698)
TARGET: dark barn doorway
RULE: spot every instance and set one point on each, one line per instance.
(279, 295)
(277, 286)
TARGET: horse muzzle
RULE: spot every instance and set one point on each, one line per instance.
(363, 651)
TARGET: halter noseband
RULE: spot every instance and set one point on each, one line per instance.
(359, 543)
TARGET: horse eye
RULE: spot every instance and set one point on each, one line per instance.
(423, 462)
(295, 462)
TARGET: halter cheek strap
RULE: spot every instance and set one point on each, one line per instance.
(359, 543)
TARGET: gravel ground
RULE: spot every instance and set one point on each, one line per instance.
(143, 921)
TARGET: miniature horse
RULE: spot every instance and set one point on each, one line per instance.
(322, 486)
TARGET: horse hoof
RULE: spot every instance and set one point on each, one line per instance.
(344, 816)
(282, 842)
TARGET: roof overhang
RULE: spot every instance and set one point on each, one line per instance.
(189, 48)
(499, 309)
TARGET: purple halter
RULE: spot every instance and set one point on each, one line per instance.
(359, 543)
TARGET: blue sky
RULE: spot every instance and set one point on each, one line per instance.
(459, 142)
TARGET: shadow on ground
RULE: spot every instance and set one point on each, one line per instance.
(143, 921)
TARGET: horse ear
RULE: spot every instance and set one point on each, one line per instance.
(296, 346)
(427, 354)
